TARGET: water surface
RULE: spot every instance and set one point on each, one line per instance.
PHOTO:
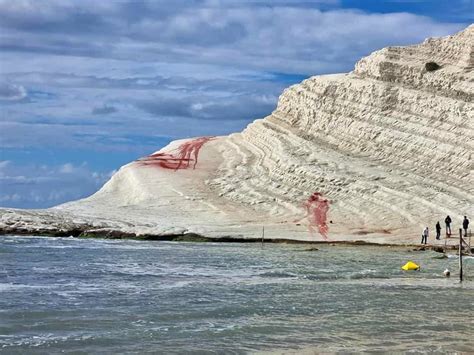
(112, 296)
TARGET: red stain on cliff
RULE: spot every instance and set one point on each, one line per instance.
(317, 208)
(183, 157)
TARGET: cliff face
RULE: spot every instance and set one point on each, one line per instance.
(390, 144)
(374, 154)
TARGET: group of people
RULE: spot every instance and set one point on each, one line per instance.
(447, 221)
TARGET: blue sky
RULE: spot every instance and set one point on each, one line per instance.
(87, 86)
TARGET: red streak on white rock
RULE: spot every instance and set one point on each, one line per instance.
(317, 208)
(183, 157)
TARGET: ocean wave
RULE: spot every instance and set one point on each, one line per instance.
(278, 274)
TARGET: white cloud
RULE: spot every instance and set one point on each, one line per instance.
(67, 168)
(11, 92)
(276, 38)
(10, 198)
(34, 186)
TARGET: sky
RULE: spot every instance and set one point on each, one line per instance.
(88, 86)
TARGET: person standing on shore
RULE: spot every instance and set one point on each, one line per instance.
(448, 221)
(465, 225)
(438, 230)
(424, 236)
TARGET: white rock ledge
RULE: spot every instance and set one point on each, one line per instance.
(387, 148)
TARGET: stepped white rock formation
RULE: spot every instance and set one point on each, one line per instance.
(374, 155)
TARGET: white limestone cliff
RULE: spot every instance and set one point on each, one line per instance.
(374, 155)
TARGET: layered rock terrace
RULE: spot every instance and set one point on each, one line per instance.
(374, 155)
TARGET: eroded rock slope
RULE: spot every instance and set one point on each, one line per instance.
(375, 154)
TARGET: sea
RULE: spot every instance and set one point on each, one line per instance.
(98, 296)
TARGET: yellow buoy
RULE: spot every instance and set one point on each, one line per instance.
(410, 266)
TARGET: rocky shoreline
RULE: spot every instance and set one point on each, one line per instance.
(193, 237)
